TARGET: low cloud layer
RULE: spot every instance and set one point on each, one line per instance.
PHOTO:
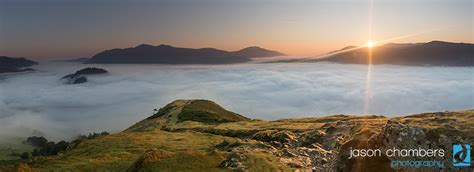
(38, 103)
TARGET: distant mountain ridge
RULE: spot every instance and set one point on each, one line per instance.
(166, 54)
(255, 52)
(15, 64)
(80, 60)
(434, 53)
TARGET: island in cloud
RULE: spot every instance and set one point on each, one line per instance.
(167, 54)
(434, 53)
(15, 64)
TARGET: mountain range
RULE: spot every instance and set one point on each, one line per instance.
(13, 64)
(434, 53)
(166, 54)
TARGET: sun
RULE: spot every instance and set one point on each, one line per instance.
(370, 44)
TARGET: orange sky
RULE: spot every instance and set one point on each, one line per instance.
(53, 29)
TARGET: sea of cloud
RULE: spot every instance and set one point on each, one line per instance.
(40, 104)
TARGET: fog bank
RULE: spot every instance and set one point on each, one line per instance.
(39, 103)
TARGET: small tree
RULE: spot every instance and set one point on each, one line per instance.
(25, 155)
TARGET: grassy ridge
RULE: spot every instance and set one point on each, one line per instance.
(196, 135)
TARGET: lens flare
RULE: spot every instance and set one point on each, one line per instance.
(370, 44)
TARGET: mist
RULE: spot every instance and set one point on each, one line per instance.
(39, 103)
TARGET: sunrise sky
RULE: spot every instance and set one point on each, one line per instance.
(52, 29)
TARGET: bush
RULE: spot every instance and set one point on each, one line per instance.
(25, 155)
(45, 148)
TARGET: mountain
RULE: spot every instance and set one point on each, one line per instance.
(12, 64)
(342, 49)
(166, 54)
(80, 60)
(80, 76)
(199, 135)
(254, 52)
(434, 53)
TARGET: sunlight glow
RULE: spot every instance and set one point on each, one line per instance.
(370, 44)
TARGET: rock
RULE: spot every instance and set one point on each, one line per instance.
(234, 161)
(282, 137)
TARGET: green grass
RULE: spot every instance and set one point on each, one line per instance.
(11, 150)
(188, 135)
(120, 151)
(208, 112)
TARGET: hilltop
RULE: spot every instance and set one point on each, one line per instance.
(434, 53)
(13, 64)
(200, 135)
(255, 52)
(167, 54)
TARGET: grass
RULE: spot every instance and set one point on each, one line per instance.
(11, 150)
(208, 112)
(198, 135)
(120, 151)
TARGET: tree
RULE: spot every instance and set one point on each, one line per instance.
(25, 155)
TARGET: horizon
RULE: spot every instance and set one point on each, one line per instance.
(52, 29)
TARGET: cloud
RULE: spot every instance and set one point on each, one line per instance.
(39, 103)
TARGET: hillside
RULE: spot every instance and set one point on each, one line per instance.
(199, 135)
(12, 64)
(255, 52)
(434, 53)
(76, 60)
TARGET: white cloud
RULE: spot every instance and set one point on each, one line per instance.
(40, 102)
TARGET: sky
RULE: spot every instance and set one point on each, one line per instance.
(65, 29)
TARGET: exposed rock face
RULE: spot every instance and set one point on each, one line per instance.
(202, 132)
(80, 76)
(11, 64)
(434, 53)
(166, 54)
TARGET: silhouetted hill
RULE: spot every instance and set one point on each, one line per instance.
(12, 70)
(166, 54)
(342, 49)
(435, 53)
(255, 51)
(80, 76)
(12, 64)
(80, 60)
